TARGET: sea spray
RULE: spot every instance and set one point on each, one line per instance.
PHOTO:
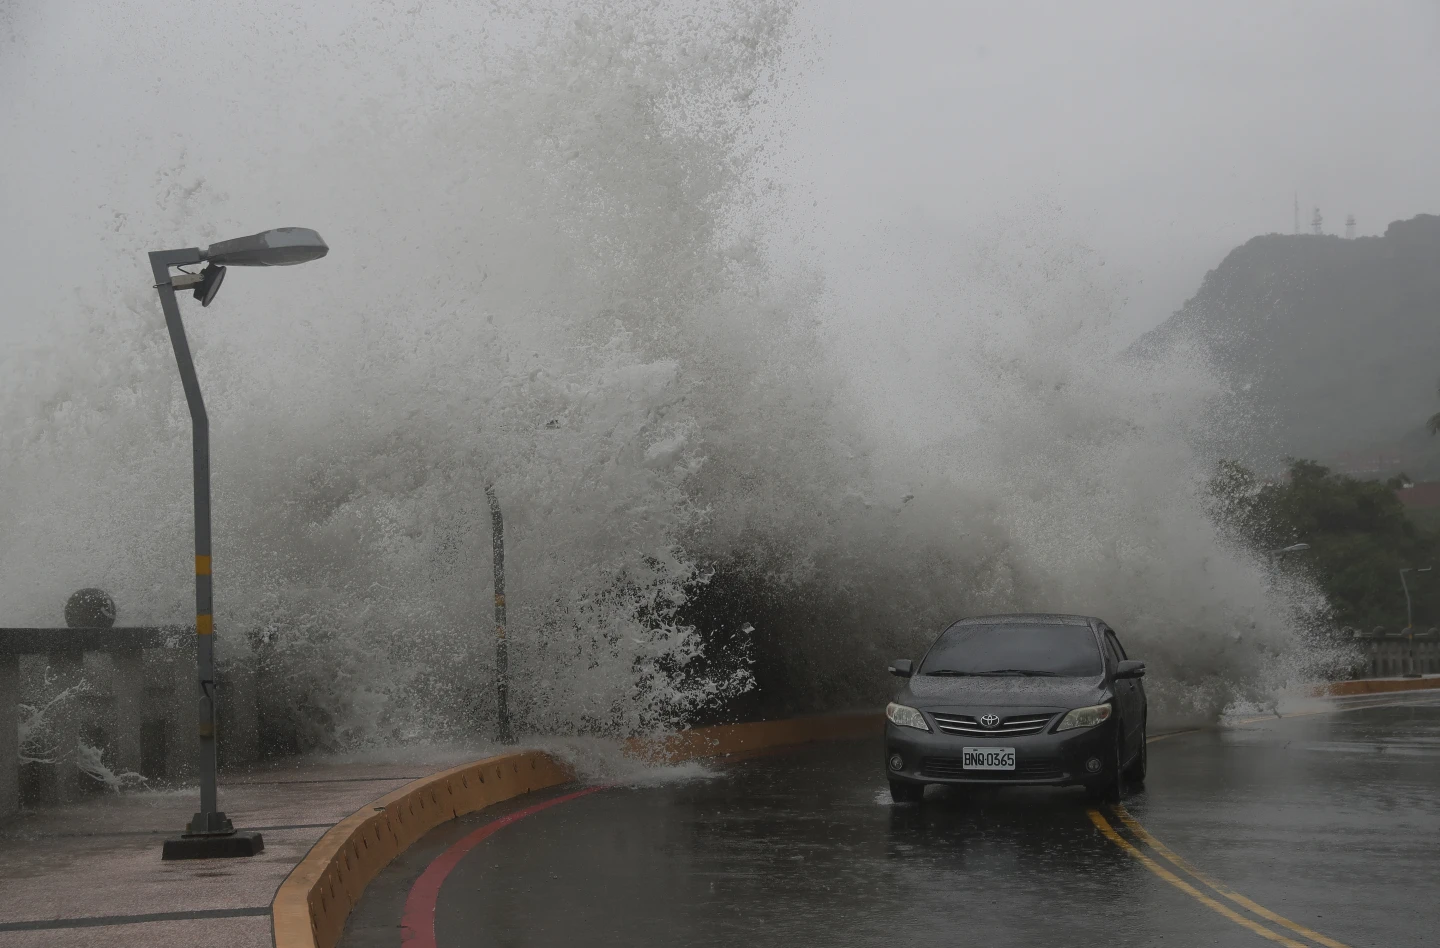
(554, 270)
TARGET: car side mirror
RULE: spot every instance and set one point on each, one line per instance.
(902, 668)
(1129, 670)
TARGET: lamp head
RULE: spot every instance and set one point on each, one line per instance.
(281, 247)
(210, 279)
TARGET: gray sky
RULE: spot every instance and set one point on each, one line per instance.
(1163, 133)
(1167, 132)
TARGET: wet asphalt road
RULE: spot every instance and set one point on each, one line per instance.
(1330, 822)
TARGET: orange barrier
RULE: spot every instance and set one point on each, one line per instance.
(312, 904)
(1373, 686)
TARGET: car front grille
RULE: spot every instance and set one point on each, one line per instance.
(1024, 770)
(1016, 726)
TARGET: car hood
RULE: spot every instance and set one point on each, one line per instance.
(938, 693)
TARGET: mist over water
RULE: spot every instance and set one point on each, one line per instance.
(563, 263)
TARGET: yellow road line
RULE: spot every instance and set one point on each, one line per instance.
(1220, 887)
(1161, 737)
(1104, 826)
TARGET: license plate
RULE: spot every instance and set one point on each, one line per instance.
(988, 758)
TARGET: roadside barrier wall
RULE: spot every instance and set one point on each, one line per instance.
(1375, 686)
(125, 691)
(1396, 654)
(312, 904)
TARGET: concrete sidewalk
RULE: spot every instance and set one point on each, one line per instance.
(91, 874)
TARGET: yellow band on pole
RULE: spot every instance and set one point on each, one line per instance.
(499, 600)
(204, 625)
(202, 566)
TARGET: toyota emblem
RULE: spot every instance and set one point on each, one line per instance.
(990, 720)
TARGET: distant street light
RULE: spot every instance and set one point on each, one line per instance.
(1409, 617)
(210, 832)
(1293, 548)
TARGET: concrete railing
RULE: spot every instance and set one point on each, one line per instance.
(1389, 656)
(119, 690)
(127, 692)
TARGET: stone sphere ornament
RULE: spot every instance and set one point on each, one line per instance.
(90, 609)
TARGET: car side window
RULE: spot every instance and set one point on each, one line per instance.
(1116, 651)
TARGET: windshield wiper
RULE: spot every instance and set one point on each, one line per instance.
(949, 672)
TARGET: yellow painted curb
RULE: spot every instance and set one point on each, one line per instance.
(312, 904)
(1373, 686)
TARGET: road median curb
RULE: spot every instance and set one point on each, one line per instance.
(312, 904)
(1373, 686)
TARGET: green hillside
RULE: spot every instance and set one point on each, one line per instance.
(1330, 348)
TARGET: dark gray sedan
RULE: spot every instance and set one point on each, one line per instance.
(1018, 699)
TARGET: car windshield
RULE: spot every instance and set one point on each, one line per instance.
(1015, 650)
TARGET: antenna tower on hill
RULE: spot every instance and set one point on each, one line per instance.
(1350, 227)
(1317, 223)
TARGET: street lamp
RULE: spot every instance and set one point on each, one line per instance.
(210, 833)
(1409, 617)
(504, 729)
(1293, 548)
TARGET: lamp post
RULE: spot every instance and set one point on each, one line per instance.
(504, 732)
(1409, 617)
(210, 833)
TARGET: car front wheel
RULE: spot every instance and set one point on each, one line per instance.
(903, 791)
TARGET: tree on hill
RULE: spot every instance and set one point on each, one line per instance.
(1358, 532)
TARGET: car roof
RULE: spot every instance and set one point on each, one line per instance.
(1033, 618)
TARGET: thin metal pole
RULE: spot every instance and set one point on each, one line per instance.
(1409, 625)
(503, 732)
(1409, 618)
(209, 821)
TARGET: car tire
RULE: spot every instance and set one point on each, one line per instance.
(903, 791)
(1135, 773)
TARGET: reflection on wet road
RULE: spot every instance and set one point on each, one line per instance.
(1318, 830)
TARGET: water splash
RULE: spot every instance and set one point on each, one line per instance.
(555, 269)
(38, 742)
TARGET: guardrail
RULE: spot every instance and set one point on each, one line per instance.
(1392, 655)
(117, 690)
(124, 692)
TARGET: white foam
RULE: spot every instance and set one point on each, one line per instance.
(575, 219)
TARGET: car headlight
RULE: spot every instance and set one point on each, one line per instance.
(1085, 717)
(905, 717)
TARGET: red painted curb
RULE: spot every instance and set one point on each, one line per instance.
(417, 924)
